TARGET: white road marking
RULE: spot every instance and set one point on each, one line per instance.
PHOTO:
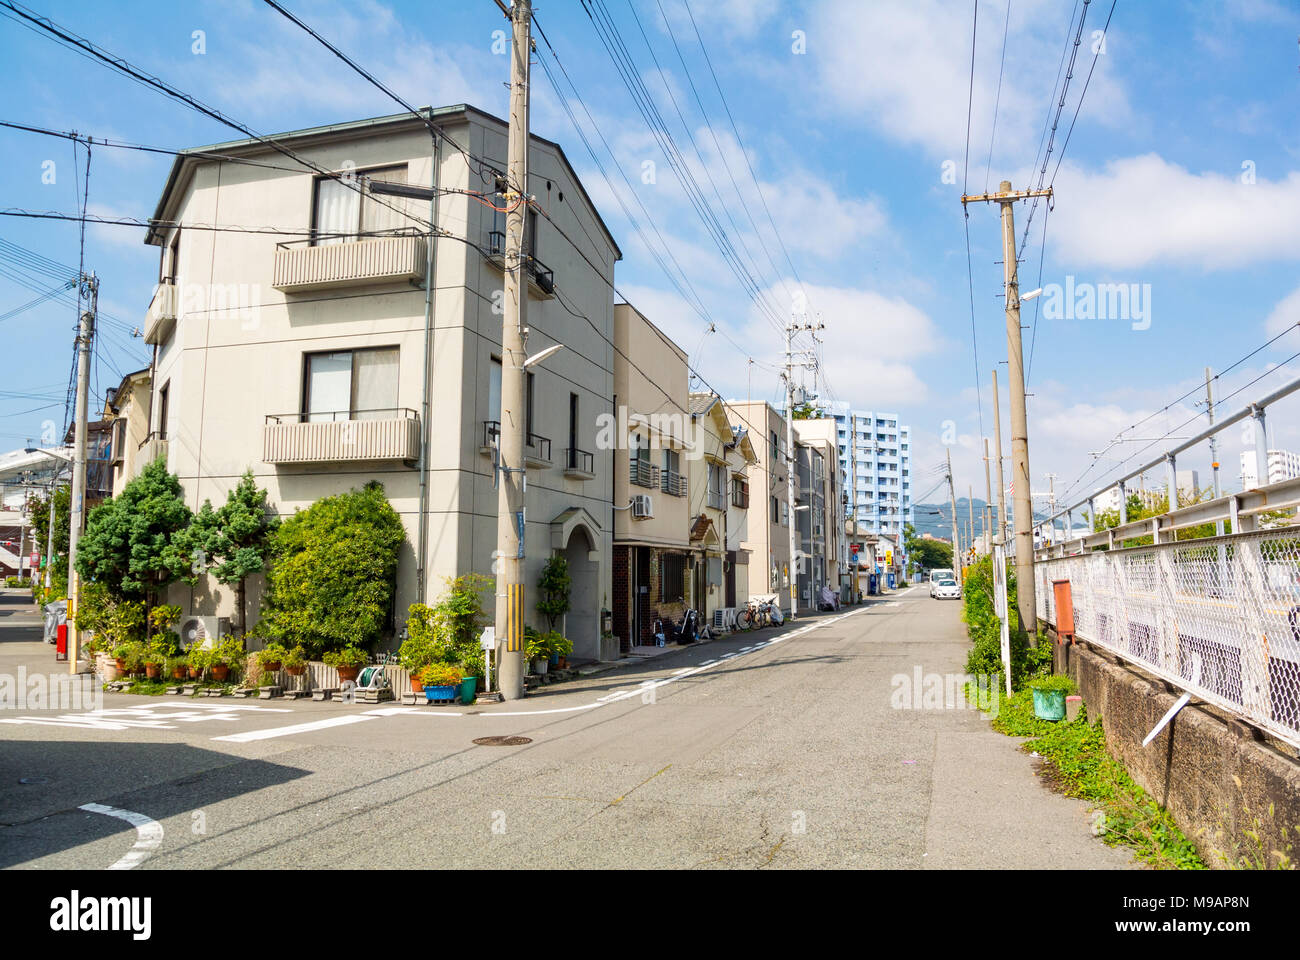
(157, 716)
(273, 732)
(149, 834)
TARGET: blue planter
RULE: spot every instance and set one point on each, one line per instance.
(440, 693)
(1049, 704)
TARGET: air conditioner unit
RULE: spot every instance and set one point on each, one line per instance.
(204, 631)
(643, 507)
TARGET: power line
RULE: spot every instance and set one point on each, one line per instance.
(970, 270)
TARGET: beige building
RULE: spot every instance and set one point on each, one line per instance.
(820, 508)
(649, 435)
(719, 506)
(132, 446)
(767, 535)
(322, 357)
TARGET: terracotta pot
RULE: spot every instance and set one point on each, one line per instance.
(152, 670)
(121, 665)
(220, 671)
(296, 671)
(564, 663)
(195, 673)
(272, 666)
(348, 673)
(416, 685)
(178, 673)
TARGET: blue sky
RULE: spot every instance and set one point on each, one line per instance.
(851, 112)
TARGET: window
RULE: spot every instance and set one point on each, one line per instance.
(573, 421)
(785, 514)
(776, 447)
(717, 486)
(163, 396)
(171, 259)
(342, 213)
(739, 493)
(528, 401)
(672, 582)
(350, 385)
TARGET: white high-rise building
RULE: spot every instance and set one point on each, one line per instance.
(1282, 465)
(882, 451)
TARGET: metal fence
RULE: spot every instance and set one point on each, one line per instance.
(1218, 617)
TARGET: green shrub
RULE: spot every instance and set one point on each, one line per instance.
(985, 629)
(347, 657)
(332, 577)
(1053, 681)
(555, 585)
(440, 675)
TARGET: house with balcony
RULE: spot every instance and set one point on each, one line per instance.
(823, 486)
(354, 344)
(767, 532)
(719, 505)
(132, 445)
(649, 430)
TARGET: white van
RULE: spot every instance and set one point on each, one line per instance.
(942, 575)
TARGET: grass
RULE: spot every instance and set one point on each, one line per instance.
(1079, 765)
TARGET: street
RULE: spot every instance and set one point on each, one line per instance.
(779, 748)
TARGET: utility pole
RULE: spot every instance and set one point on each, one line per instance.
(853, 499)
(49, 526)
(77, 513)
(988, 500)
(970, 517)
(809, 360)
(1026, 602)
(1214, 445)
(958, 566)
(513, 483)
(997, 441)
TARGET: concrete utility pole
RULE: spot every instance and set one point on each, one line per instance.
(997, 442)
(853, 500)
(988, 500)
(1026, 602)
(958, 566)
(1214, 445)
(512, 440)
(77, 513)
(808, 360)
(970, 516)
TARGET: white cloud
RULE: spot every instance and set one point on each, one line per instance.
(1285, 314)
(1147, 210)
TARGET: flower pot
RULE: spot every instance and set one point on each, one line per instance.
(195, 673)
(540, 665)
(272, 667)
(152, 670)
(348, 674)
(468, 688)
(416, 685)
(564, 663)
(554, 660)
(120, 664)
(1049, 704)
(178, 673)
(220, 671)
(440, 693)
(297, 671)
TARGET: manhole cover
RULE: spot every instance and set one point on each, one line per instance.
(502, 741)
(32, 780)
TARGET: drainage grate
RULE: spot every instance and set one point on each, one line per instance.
(502, 741)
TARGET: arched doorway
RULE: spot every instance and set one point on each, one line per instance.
(575, 536)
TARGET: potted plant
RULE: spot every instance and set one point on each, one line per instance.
(441, 681)
(295, 662)
(421, 646)
(536, 651)
(153, 663)
(228, 655)
(271, 657)
(175, 668)
(163, 617)
(560, 647)
(348, 662)
(1049, 696)
(198, 658)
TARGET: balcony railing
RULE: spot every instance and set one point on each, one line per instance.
(673, 483)
(643, 473)
(340, 436)
(541, 279)
(579, 463)
(161, 317)
(537, 453)
(299, 268)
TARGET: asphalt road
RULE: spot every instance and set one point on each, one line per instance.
(774, 749)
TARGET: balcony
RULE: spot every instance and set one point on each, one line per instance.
(391, 434)
(672, 483)
(150, 449)
(541, 279)
(537, 450)
(643, 473)
(299, 268)
(579, 464)
(160, 320)
(717, 500)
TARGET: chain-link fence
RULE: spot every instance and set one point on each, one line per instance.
(1218, 617)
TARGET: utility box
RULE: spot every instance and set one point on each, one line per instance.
(1064, 610)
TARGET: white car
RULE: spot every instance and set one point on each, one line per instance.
(946, 589)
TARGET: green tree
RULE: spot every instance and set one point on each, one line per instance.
(133, 542)
(926, 553)
(38, 509)
(234, 542)
(333, 570)
(555, 585)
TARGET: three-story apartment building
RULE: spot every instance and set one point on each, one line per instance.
(313, 328)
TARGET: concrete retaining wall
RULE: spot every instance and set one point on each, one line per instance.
(1216, 777)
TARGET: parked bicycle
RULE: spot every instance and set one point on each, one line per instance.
(757, 614)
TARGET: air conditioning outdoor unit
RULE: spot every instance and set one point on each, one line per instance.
(643, 507)
(203, 631)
